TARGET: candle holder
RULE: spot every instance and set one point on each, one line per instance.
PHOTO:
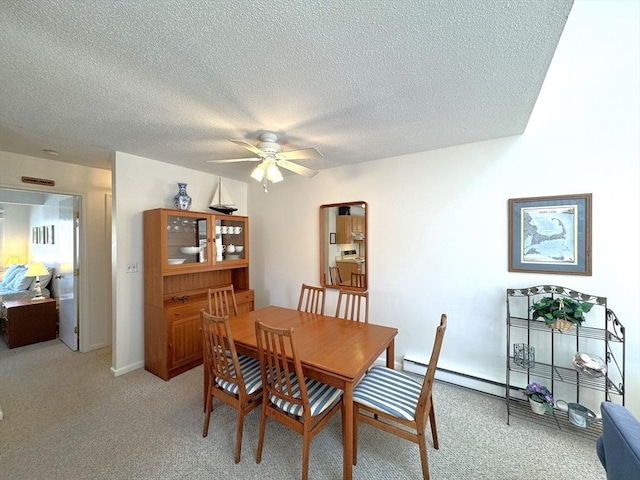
(524, 355)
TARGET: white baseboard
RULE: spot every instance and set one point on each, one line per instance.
(127, 369)
(414, 365)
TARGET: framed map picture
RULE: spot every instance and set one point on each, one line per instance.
(550, 234)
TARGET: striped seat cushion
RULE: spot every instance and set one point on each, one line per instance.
(250, 368)
(389, 391)
(321, 397)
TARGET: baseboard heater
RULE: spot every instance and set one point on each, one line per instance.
(415, 365)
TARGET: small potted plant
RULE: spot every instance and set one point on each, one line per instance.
(540, 398)
(560, 312)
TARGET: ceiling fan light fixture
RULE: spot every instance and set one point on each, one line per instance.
(274, 175)
(258, 173)
(269, 154)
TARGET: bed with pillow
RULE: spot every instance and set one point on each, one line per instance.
(16, 285)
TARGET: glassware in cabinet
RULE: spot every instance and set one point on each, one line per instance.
(187, 242)
(230, 238)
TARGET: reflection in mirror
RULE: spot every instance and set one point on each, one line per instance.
(343, 245)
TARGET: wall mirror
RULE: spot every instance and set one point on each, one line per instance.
(343, 245)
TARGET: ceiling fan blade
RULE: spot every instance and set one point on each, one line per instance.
(248, 146)
(302, 154)
(233, 160)
(295, 168)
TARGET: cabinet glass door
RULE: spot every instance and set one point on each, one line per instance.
(187, 239)
(230, 239)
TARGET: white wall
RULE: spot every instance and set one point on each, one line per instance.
(92, 185)
(142, 184)
(15, 241)
(438, 220)
(40, 216)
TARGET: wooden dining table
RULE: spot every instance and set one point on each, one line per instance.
(334, 351)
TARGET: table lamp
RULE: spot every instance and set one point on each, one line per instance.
(35, 270)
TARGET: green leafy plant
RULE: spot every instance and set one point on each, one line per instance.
(552, 309)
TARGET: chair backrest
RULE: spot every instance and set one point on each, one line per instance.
(358, 280)
(280, 378)
(334, 274)
(222, 301)
(311, 299)
(424, 402)
(353, 305)
(220, 354)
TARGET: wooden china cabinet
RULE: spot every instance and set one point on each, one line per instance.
(185, 254)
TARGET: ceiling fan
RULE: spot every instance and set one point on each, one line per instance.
(271, 156)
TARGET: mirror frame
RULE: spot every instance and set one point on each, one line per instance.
(325, 243)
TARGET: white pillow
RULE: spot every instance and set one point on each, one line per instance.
(20, 281)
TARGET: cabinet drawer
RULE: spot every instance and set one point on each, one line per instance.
(186, 310)
(244, 296)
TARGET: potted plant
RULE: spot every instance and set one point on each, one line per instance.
(540, 398)
(560, 312)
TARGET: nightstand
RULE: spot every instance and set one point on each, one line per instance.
(23, 322)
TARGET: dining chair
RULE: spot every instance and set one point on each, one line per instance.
(299, 403)
(334, 275)
(353, 305)
(358, 280)
(234, 380)
(311, 299)
(394, 402)
(222, 301)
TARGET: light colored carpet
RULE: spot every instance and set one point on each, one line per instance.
(66, 417)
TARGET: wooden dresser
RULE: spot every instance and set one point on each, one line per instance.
(23, 322)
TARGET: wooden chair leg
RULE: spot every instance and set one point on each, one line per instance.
(422, 444)
(342, 422)
(306, 441)
(263, 424)
(207, 412)
(434, 430)
(356, 412)
(239, 435)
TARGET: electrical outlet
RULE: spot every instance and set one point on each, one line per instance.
(132, 267)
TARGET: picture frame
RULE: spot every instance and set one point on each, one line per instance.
(550, 234)
(51, 235)
(332, 238)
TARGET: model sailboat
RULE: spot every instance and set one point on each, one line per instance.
(221, 201)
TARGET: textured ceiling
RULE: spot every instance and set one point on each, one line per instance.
(358, 80)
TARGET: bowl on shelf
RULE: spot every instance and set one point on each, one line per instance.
(239, 248)
(176, 261)
(589, 364)
(190, 250)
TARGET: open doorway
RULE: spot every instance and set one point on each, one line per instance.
(25, 214)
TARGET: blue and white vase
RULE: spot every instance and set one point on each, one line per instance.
(182, 200)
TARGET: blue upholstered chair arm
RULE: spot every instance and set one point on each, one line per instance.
(619, 445)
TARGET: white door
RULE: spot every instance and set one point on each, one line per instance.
(67, 266)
